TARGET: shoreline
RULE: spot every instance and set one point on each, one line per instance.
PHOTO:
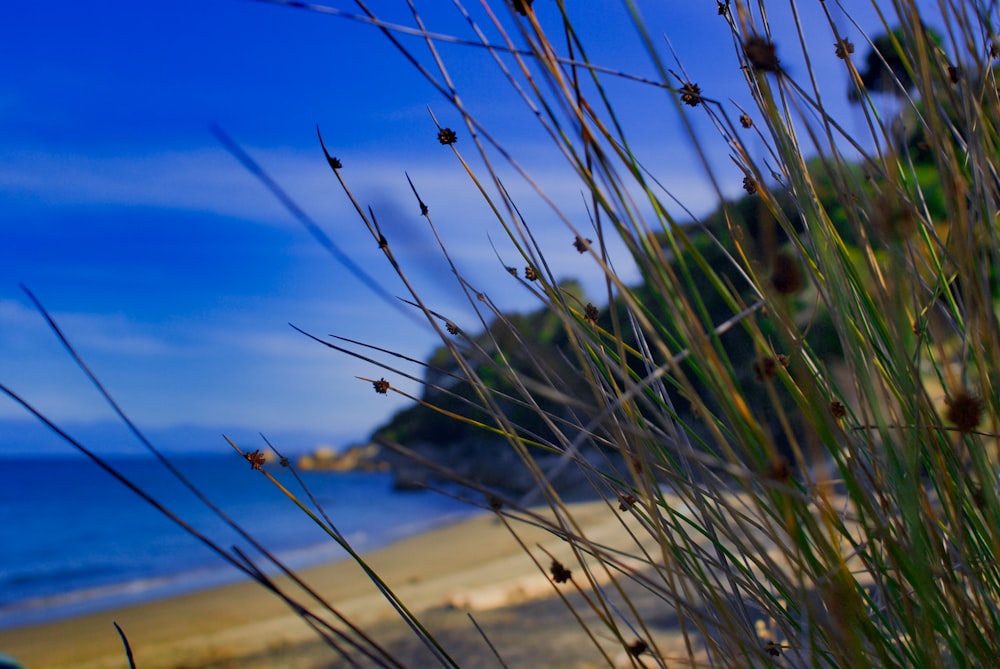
(206, 577)
(470, 565)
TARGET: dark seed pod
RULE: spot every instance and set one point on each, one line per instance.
(447, 136)
(560, 574)
(761, 54)
(965, 411)
(786, 275)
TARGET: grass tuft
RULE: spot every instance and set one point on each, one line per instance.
(791, 413)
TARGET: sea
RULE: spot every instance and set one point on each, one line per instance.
(74, 540)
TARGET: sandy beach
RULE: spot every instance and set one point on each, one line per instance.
(472, 567)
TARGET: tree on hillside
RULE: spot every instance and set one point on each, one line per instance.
(886, 72)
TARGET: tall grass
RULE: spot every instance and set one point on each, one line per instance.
(796, 405)
(793, 411)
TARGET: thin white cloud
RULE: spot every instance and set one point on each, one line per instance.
(205, 180)
(15, 315)
(210, 180)
(98, 333)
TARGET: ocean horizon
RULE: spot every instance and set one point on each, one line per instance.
(75, 540)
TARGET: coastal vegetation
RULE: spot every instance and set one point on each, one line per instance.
(791, 414)
(796, 401)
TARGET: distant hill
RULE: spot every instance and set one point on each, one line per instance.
(29, 437)
(539, 338)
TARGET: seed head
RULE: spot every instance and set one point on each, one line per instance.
(626, 501)
(581, 244)
(511, 270)
(766, 368)
(749, 185)
(637, 648)
(843, 48)
(522, 6)
(723, 7)
(256, 460)
(691, 94)
(746, 121)
(452, 328)
(954, 73)
(786, 277)
(965, 411)
(447, 136)
(762, 54)
(838, 409)
(560, 574)
(381, 386)
(530, 274)
(591, 314)
(779, 470)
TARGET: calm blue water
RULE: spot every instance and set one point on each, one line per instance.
(73, 539)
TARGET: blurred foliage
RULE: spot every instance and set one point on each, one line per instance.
(440, 437)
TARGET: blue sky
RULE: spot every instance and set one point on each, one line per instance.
(176, 274)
